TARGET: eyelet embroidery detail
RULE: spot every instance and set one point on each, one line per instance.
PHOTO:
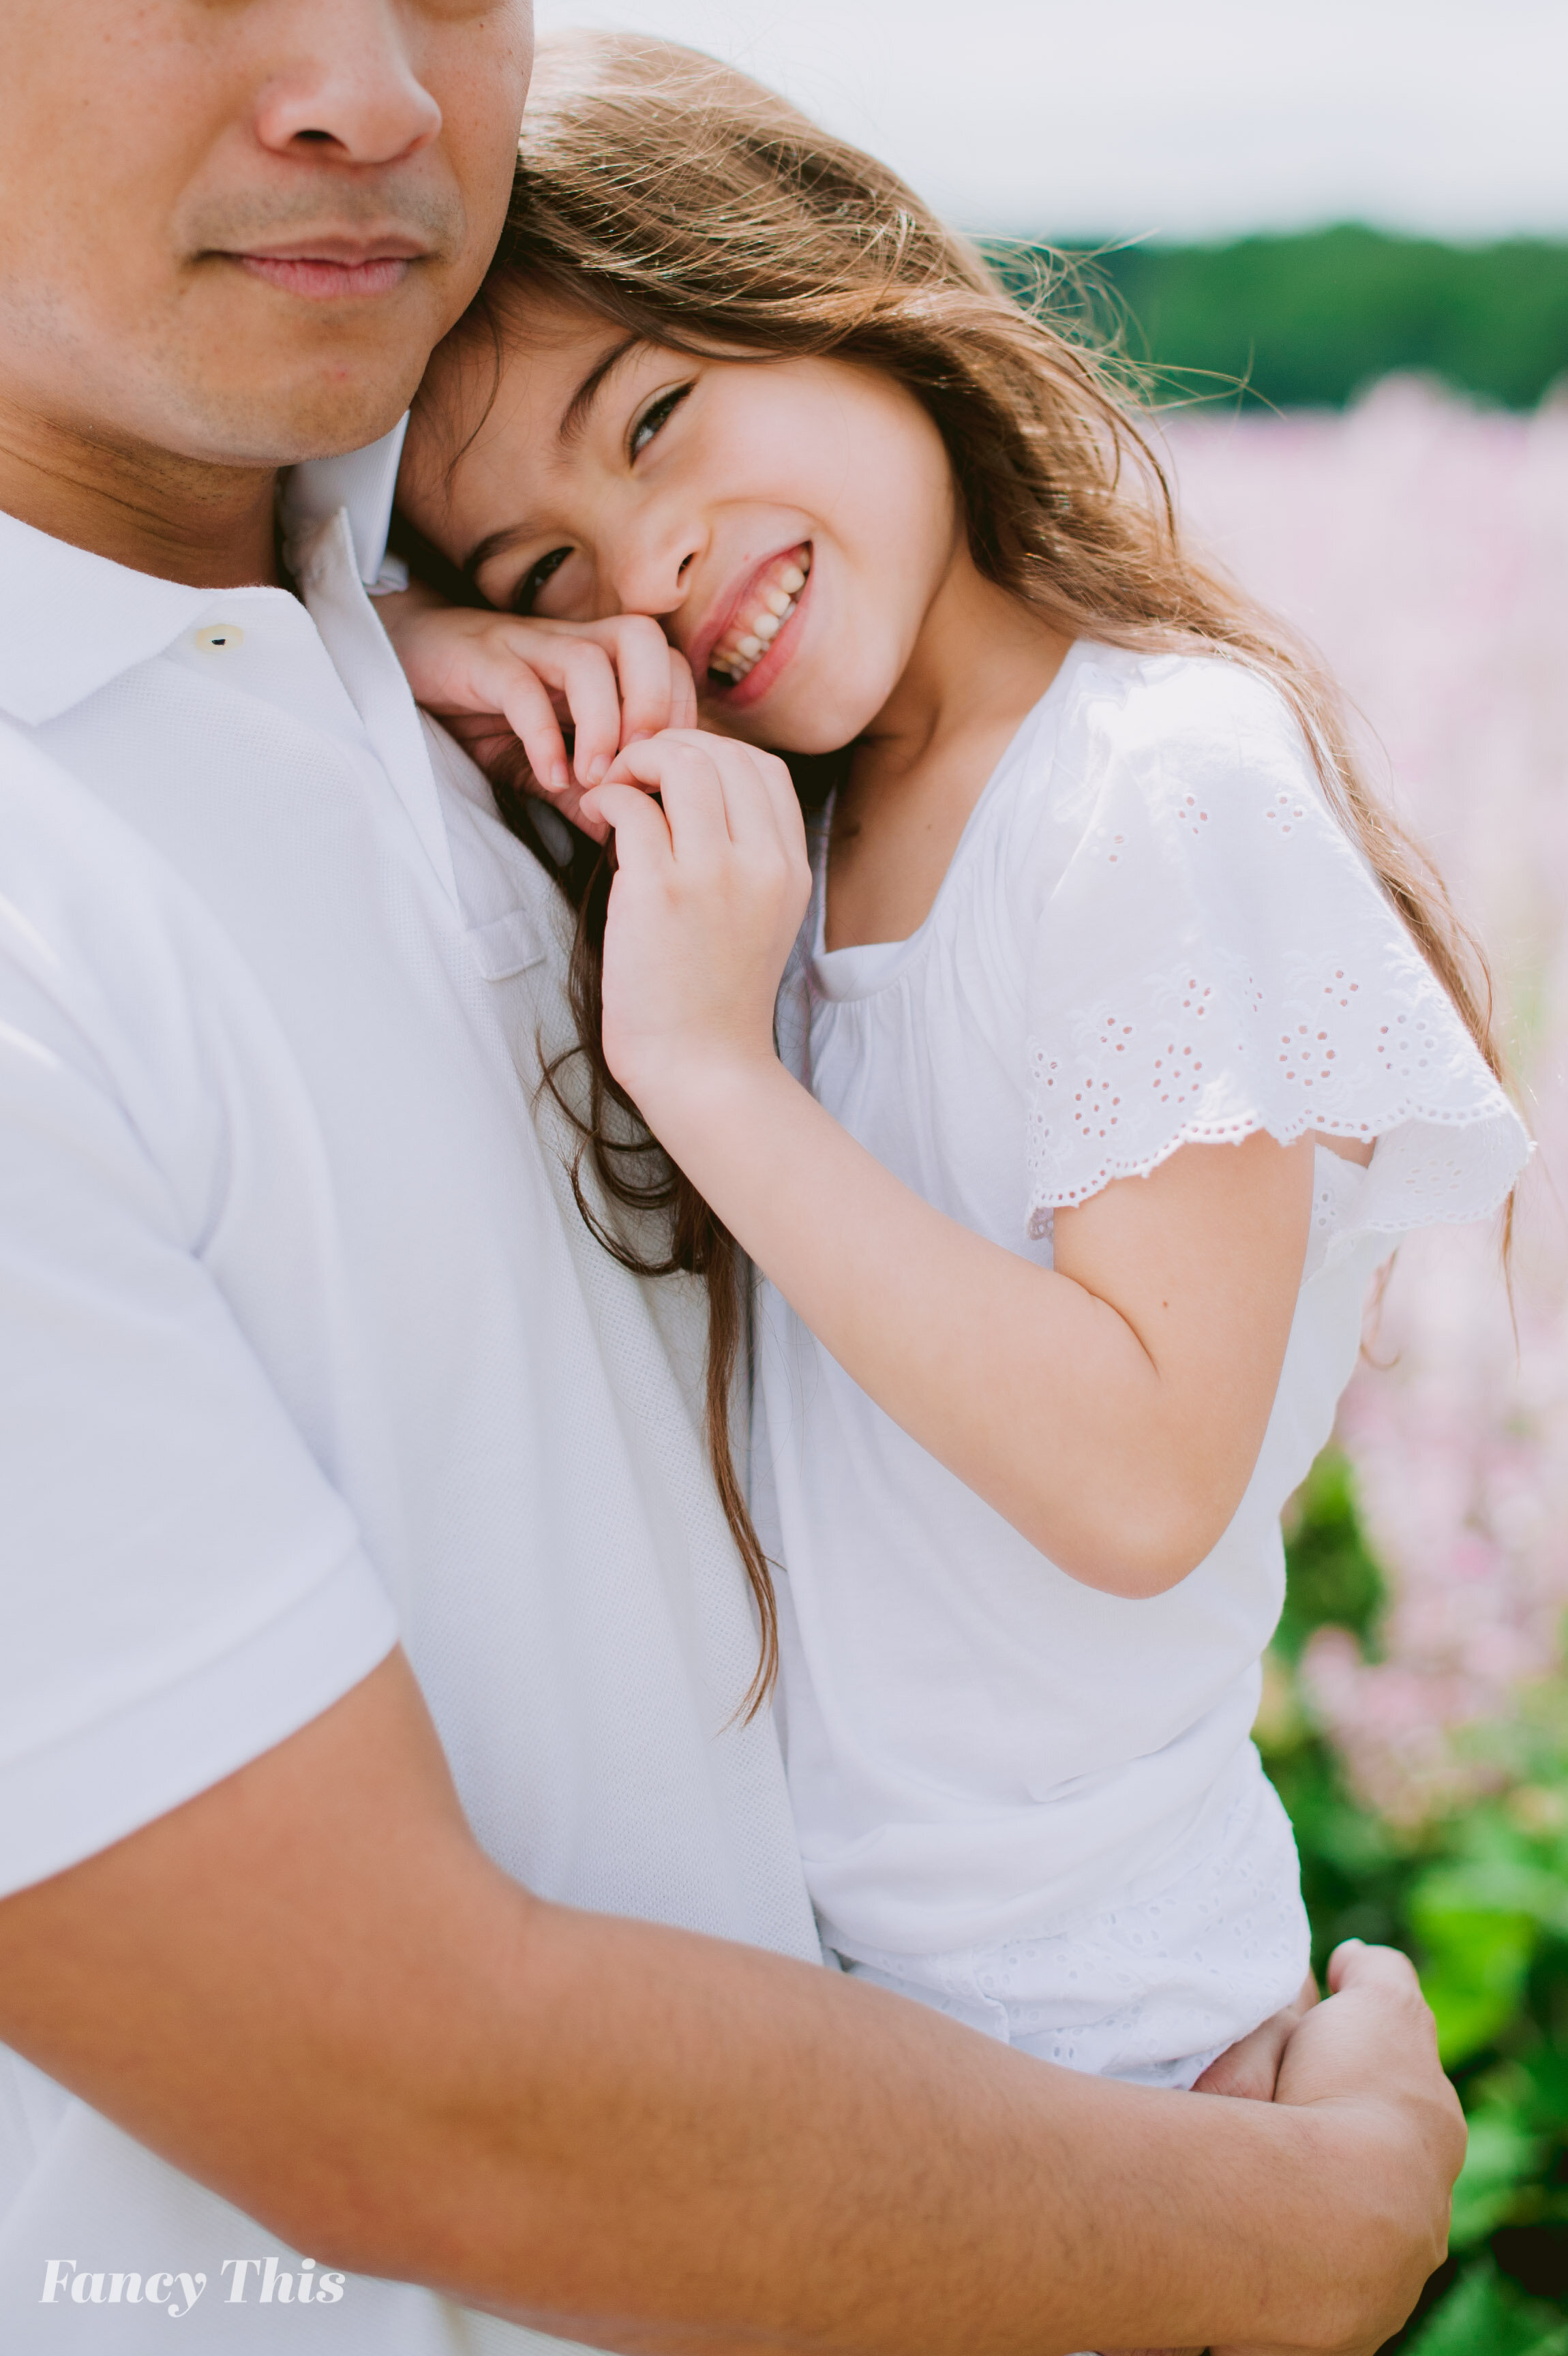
(1206, 1057)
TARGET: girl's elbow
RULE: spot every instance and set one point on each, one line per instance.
(1140, 1573)
(1140, 1554)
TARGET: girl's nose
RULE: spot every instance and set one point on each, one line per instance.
(657, 572)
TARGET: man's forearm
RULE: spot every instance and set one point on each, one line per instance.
(715, 2147)
(310, 1990)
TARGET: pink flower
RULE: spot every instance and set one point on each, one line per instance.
(1423, 545)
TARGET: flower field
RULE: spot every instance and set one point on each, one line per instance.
(1416, 1718)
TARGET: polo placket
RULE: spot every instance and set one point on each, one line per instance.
(304, 1346)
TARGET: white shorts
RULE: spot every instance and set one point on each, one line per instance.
(1153, 1992)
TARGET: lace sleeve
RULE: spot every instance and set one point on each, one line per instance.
(1215, 957)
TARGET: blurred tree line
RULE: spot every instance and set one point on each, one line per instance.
(1310, 320)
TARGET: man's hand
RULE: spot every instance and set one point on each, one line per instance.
(1373, 2040)
(1376, 1997)
(507, 688)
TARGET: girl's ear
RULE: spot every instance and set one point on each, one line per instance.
(427, 563)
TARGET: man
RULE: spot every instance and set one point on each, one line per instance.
(413, 1993)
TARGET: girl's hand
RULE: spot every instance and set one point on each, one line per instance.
(1250, 2067)
(505, 686)
(708, 896)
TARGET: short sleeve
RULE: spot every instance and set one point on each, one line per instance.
(1208, 954)
(181, 1587)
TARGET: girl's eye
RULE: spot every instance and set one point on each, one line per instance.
(656, 416)
(534, 579)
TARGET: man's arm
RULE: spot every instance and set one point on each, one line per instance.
(308, 1989)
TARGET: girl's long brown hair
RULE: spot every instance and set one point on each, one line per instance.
(679, 201)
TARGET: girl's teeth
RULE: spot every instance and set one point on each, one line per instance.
(740, 653)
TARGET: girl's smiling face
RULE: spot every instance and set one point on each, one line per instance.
(790, 523)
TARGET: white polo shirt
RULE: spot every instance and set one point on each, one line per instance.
(304, 1349)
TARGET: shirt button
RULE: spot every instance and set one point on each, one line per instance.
(217, 635)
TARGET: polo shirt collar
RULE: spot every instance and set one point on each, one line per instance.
(364, 483)
(70, 621)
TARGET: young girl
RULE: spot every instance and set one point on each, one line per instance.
(1122, 1036)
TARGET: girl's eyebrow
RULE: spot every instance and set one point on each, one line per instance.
(575, 416)
(573, 423)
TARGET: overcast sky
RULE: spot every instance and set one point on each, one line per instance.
(1181, 118)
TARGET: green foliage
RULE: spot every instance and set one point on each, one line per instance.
(1488, 2317)
(1308, 321)
(1334, 1582)
(1475, 1974)
(1480, 1900)
(1502, 2156)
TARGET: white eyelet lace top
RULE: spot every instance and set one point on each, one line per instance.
(1153, 933)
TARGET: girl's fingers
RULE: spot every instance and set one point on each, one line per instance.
(760, 794)
(681, 767)
(619, 680)
(645, 671)
(520, 696)
(761, 815)
(683, 692)
(643, 836)
(592, 692)
(623, 670)
(760, 810)
(784, 801)
(721, 795)
(698, 808)
(481, 676)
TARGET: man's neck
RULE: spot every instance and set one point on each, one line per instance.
(180, 518)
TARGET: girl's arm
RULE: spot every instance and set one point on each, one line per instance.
(1112, 1407)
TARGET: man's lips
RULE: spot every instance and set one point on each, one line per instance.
(330, 268)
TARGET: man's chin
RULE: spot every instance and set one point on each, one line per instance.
(282, 423)
(261, 380)
(337, 427)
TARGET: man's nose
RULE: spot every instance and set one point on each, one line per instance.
(351, 93)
